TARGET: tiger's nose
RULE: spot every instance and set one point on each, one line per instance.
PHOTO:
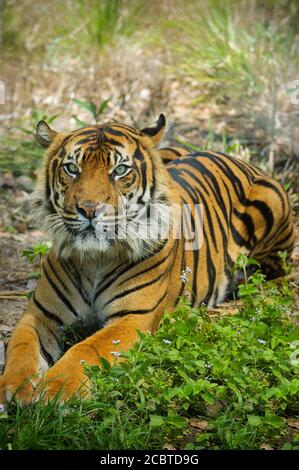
(87, 208)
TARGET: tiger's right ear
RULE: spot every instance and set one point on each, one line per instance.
(44, 134)
(156, 130)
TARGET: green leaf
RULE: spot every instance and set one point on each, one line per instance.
(253, 262)
(87, 105)
(208, 398)
(287, 446)
(105, 364)
(80, 122)
(156, 421)
(52, 118)
(235, 389)
(176, 420)
(268, 355)
(102, 107)
(254, 420)
(273, 420)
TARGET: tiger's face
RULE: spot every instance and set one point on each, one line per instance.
(102, 188)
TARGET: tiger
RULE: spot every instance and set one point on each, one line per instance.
(94, 182)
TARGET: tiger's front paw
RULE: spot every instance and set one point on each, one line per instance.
(62, 388)
(18, 389)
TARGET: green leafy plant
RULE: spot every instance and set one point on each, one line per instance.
(21, 154)
(38, 251)
(35, 117)
(91, 107)
(233, 373)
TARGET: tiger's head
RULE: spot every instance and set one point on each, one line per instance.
(104, 189)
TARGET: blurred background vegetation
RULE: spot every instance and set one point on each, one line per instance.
(224, 73)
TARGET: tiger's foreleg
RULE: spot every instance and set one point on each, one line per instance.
(27, 356)
(67, 375)
(35, 344)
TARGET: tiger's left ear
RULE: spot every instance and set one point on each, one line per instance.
(44, 134)
(156, 130)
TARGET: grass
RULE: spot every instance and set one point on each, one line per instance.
(233, 53)
(235, 380)
(71, 27)
(21, 153)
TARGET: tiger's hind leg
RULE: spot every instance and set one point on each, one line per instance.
(271, 214)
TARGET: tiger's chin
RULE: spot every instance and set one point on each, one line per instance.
(91, 243)
(90, 247)
(86, 245)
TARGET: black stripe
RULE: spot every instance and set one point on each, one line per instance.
(111, 131)
(137, 288)
(247, 221)
(215, 188)
(143, 182)
(46, 312)
(57, 276)
(123, 313)
(140, 286)
(201, 199)
(183, 266)
(265, 211)
(84, 131)
(268, 184)
(59, 293)
(75, 279)
(47, 356)
(108, 280)
(90, 140)
(113, 142)
(231, 176)
(159, 262)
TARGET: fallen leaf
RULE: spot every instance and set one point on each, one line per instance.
(198, 424)
(168, 446)
(293, 423)
(266, 447)
(213, 410)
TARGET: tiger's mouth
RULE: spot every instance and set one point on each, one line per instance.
(96, 235)
(136, 232)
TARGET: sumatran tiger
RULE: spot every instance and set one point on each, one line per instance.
(132, 229)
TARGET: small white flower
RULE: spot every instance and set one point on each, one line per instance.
(115, 341)
(261, 341)
(166, 341)
(188, 270)
(208, 365)
(2, 408)
(115, 353)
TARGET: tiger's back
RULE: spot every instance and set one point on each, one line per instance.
(243, 211)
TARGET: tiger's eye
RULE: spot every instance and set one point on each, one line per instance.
(71, 169)
(120, 170)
